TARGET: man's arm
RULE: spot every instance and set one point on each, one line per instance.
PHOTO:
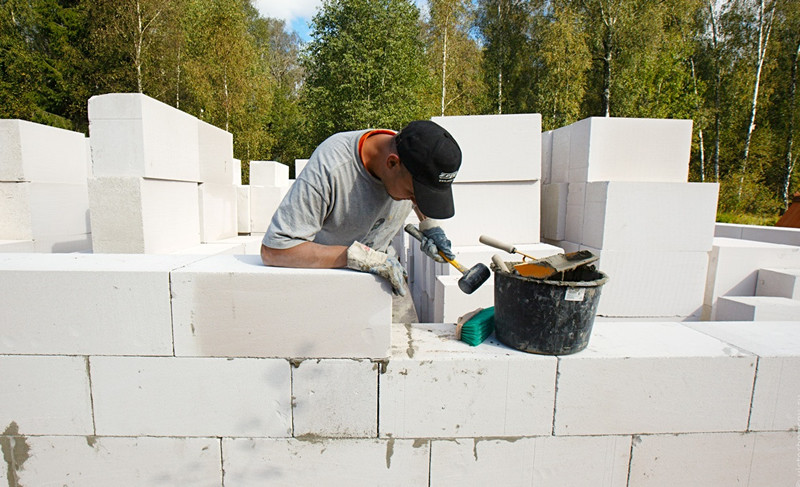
(307, 255)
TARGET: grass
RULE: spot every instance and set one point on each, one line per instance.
(747, 219)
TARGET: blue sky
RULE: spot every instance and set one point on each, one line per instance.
(297, 13)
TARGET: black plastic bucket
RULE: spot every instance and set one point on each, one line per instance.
(552, 317)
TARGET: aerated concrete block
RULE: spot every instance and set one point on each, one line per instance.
(214, 248)
(753, 459)
(629, 216)
(268, 173)
(40, 153)
(554, 211)
(243, 209)
(497, 147)
(215, 152)
(137, 136)
(234, 306)
(218, 211)
(299, 165)
(315, 461)
(95, 461)
(250, 244)
(450, 302)
(17, 246)
(629, 149)
(507, 211)
(783, 283)
(33, 210)
(756, 308)
(135, 215)
(651, 377)
(777, 386)
(559, 165)
(576, 209)
(236, 173)
(435, 386)
(167, 396)
(264, 200)
(45, 395)
(779, 235)
(544, 461)
(335, 398)
(547, 156)
(645, 283)
(734, 264)
(86, 304)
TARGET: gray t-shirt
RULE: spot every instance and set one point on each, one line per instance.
(335, 201)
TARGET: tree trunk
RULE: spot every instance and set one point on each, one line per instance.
(763, 41)
(444, 69)
(137, 59)
(607, 43)
(787, 180)
(699, 130)
(717, 83)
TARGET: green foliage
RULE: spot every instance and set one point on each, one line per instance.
(364, 66)
(755, 198)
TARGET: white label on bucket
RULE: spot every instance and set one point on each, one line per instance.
(575, 294)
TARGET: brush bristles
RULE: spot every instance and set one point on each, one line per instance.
(478, 328)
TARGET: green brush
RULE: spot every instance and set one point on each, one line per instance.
(477, 328)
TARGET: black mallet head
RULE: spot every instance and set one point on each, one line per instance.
(474, 278)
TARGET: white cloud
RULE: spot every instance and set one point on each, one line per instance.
(288, 10)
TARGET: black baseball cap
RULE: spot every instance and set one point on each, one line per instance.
(433, 158)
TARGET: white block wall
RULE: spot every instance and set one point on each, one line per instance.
(268, 173)
(234, 306)
(35, 152)
(218, 208)
(554, 211)
(264, 200)
(758, 233)
(621, 149)
(243, 224)
(137, 136)
(497, 147)
(779, 282)
(756, 308)
(136, 215)
(215, 155)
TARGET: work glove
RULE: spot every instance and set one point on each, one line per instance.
(434, 240)
(365, 259)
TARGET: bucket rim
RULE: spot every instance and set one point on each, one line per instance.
(593, 283)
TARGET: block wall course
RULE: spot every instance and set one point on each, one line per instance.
(45, 395)
(87, 304)
(497, 147)
(756, 308)
(167, 396)
(554, 211)
(435, 386)
(41, 210)
(268, 173)
(314, 461)
(234, 306)
(39, 153)
(542, 461)
(243, 209)
(547, 156)
(264, 200)
(777, 385)
(752, 459)
(137, 136)
(88, 461)
(335, 398)
(653, 378)
(779, 282)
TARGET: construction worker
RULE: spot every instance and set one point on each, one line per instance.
(355, 194)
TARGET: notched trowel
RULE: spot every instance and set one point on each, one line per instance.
(546, 267)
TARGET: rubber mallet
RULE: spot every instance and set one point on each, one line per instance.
(472, 279)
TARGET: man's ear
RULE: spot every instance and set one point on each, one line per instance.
(392, 161)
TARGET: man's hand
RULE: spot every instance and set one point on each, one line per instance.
(434, 240)
(365, 259)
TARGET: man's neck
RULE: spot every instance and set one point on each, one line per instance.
(374, 151)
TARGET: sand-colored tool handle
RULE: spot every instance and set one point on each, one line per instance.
(493, 242)
(500, 263)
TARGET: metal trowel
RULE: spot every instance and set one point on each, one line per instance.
(546, 267)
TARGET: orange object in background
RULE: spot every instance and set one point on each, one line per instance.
(792, 216)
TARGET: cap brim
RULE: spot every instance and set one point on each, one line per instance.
(434, 203)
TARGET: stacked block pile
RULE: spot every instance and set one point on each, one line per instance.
(497, 193)
(227, 376)
(269, 183)
(618, 187)
(44, 202)
(162, 180)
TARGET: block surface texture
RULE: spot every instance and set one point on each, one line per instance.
(436, 386)
(234, 306)
(167, 396)
(86, 304)
(652, 377)
(39, 153)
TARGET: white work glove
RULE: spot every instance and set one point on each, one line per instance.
(434, 240)
(365, 259)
